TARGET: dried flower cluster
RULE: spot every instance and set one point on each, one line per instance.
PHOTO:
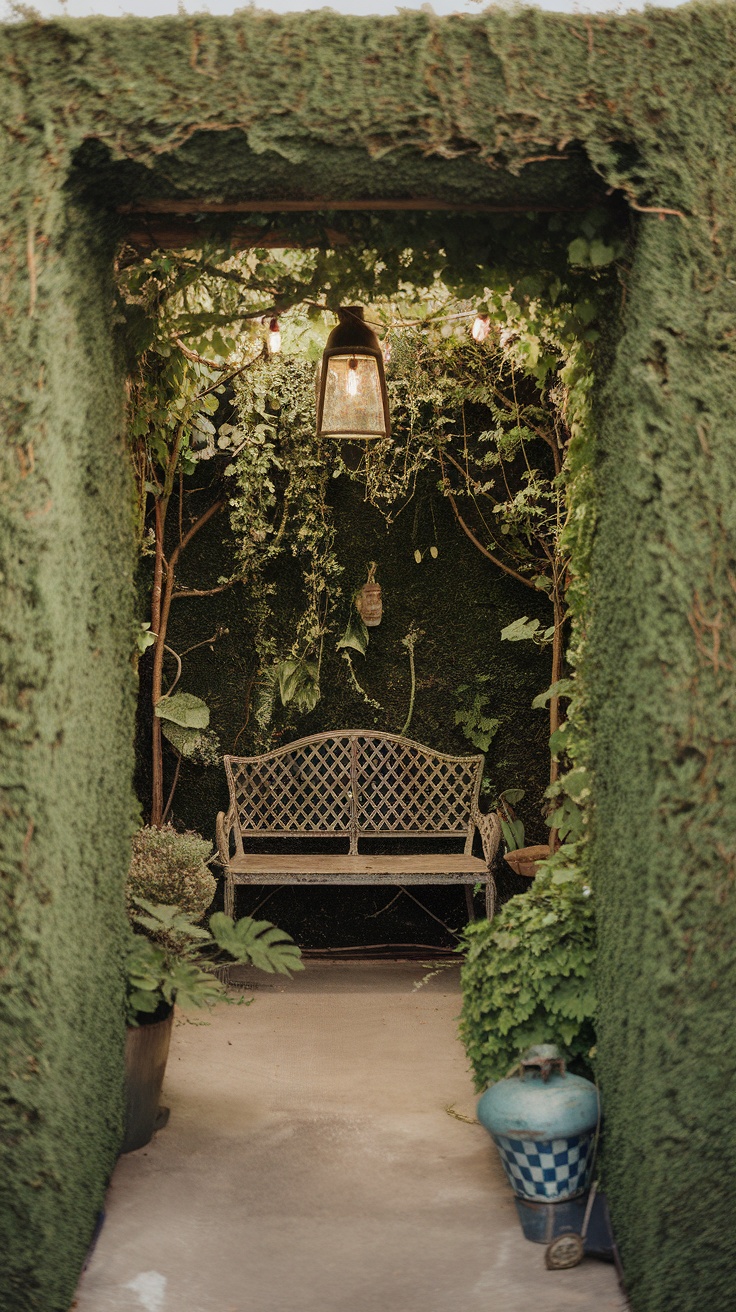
(171, 868)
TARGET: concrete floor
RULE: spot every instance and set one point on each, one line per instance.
(311, 1164)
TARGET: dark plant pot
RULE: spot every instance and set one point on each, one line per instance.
(146, 1051)
(524, 860)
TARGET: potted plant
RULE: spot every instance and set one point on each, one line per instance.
(523, 860)
(171, 867)
(173, 959)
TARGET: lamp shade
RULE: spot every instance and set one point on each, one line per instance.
(352, 401)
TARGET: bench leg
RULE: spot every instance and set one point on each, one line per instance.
(490, 897)
(229, 896)
(469, 902)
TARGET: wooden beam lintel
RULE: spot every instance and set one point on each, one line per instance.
(198, 205)
(159, 235)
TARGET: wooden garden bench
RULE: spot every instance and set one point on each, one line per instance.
(355, 785)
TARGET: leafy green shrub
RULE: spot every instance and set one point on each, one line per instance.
(170, 959)
(171, 868)
(528, 974)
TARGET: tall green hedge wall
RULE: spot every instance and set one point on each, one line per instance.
(661, 672)
(649, 98)
(65, 765)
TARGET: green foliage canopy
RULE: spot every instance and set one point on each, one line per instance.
(529, 975)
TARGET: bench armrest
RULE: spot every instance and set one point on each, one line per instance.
(489, 827)
(225, 826)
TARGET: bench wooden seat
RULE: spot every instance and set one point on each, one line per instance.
(355, 785)
(358, 869)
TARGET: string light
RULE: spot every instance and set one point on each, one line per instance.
(481, 327)
(274, 337)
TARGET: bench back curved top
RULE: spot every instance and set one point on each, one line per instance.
(355, 783)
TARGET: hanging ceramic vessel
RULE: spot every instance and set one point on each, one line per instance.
(543, 1122)
(368, 602)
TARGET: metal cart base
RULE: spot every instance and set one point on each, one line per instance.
(569, 1229)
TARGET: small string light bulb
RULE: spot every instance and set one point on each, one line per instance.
(352, 378)
(481, 327)
(274, 337)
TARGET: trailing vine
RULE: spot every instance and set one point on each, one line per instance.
(493, 419)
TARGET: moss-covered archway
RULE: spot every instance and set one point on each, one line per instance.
(397, 105)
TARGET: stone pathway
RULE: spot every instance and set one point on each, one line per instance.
(311, 1164)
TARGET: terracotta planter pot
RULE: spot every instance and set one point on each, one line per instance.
(524, 860)
(146, 1051)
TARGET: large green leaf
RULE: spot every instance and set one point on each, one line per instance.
(204, 424)
(256, 942)
(578, 252)
(355, 635)
(290, 675)
(184, 740)
(562, 688)
(521, 629)
(190, 986)
(143, 1001)
(299, 683)
(160, 918)
(145, 961)
(577, 783)
(145, 967)
(185, 709)
(601, 254)
(513, 833)
(513, 795)
(200, 745)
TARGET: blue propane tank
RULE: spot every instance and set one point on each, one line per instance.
(543, 1122)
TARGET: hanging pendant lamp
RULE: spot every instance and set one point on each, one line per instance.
(352, 401)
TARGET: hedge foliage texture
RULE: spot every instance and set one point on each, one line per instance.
(337, 103)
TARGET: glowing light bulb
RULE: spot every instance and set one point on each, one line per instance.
(274, 337)
(481, 327)
(351, 385)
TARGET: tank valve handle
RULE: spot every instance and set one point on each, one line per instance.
(545, 1065)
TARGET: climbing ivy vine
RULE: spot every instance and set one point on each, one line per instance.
(497, 420)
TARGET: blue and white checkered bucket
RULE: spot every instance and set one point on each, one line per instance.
(547, 1170)
(543, 1122)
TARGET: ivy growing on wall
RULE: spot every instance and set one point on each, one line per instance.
(196, 327)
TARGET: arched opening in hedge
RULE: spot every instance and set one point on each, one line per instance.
(548, 254)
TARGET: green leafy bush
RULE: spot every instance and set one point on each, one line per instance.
(172, 960)
(528, 974)
(171, 868)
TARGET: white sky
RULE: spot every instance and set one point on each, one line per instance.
(149, 8)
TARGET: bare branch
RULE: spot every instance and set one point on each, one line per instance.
(173, 789)
(204, 592)
(198, 359)
(196, 526)
(470, 534)
(207, 642)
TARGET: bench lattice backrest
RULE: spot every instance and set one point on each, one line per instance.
(355, 784)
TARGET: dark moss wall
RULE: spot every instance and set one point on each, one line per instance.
(65, 762)
(650, 99)
(459, 601)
